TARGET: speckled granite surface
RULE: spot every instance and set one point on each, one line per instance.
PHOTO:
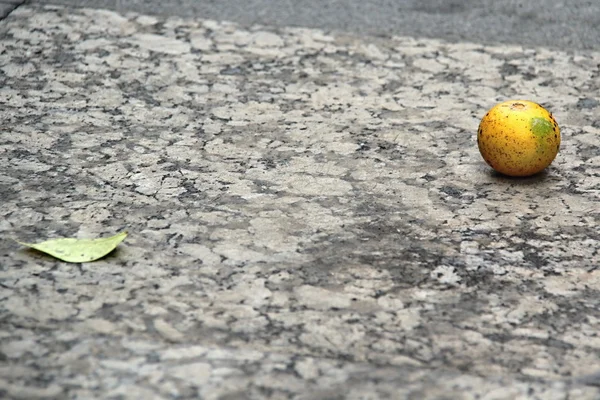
(308, 213)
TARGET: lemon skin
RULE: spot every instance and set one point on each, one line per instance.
(518, 138)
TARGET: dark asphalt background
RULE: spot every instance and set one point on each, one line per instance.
(566, 24)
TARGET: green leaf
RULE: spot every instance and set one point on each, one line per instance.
(78, 250)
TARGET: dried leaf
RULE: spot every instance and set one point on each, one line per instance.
(78, 250)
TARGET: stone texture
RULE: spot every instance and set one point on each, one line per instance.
(309, 216)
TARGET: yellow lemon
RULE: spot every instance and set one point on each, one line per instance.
(518, 138)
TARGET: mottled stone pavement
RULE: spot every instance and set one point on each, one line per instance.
(309, 216)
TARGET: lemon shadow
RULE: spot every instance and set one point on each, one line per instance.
(538, 178)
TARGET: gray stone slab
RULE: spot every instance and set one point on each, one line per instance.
(555, 23)
(5, 8)
(309, 216)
